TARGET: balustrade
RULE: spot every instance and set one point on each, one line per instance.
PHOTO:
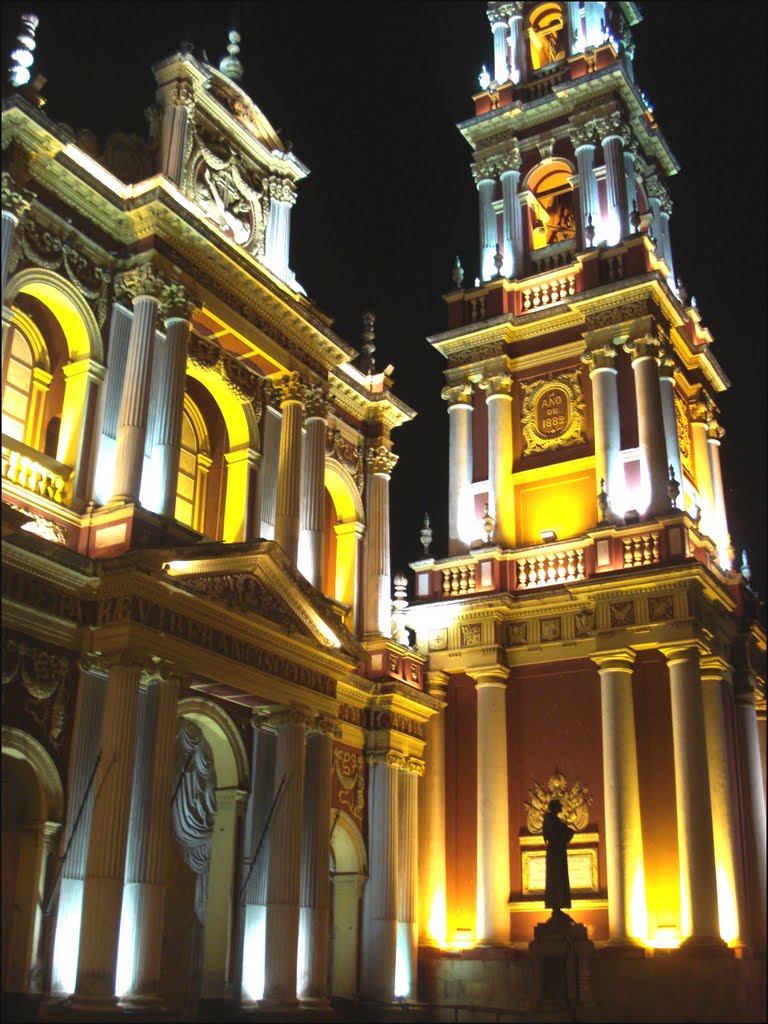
(641, 549)
(459, 580)
(543, 569)
(549, 292)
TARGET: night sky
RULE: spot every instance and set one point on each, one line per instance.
(369, 94)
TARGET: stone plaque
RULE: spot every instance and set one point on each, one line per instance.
(553, 413)
(582, 870)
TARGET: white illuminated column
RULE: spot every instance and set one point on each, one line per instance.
(146, 285)
(288, 501)
(516, 59)
(315, 858)
(666, 211)
(268, 474)
(499, 29)
(594, 14)
(256, 863)
(486, 187)
(631, 179)
(714, 433)
(284, 886)
(700, 418)
(462, 528)
(615, 180)
(588, 202)
(650, 424)
(407, 879)
(377, 609)
(500, 498)
(313, 487)
(716, 688)
(380, 933)
(667, 385)
(512, 217)
(627, 913)
(141, 928)
(103, 890)
(577, 31)
(698, 879)
(282, 196)
(492, 807)
(605, 411)
(111, 394)
(432, 886)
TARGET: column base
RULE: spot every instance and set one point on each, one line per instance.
(81, 1007)
(153, 1004)
(705, 946)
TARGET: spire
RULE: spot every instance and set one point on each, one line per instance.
(231, 65)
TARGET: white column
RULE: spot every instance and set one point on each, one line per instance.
(516, 58)
(588, 201)
(714, 433)
(85, 750)
(432, 878)
(512, 219)
(217, 942)
(141, 925)
(753, 807)
(500, 497)
(700, 418)
(268, 474)
(277, 244)
(256, 864)
(174, 130)
(631, 178)
(698, 884)
(313, 488)
(407, 879)
(627, 911)
(492, 807)
(462, 528)
(170, 406)
(605, 411)
(654, 474)
(315, 863)
(499, 29)
(486, 187)
(576, 31)
(667, 385)
(377, 617)
(111, 393)
(380, 939)
(716, 688)
(103, 891)
(594, 13)
(145, 285)
(666, 210)
(284, 884)
(616, 183)
(288, 501)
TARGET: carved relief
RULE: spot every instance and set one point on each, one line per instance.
(45, 675)
(575, 801)
(350, 772)
(517, 634)
(438, 639)
(471, 635)
(683, 435)
(660, 608)
(244, 593)
(553, 413)
(623, 613)
(551, 629)
(584, 622)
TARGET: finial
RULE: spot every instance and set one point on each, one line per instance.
(399, 609)
(484, 78)
(694, 303)
(682, 291)
(746, 572)
(602, 502)
(488, 524)
(369, 319)
(425, 534)
(498, 260)
(22, 55)
(634, 217)
(231, 65)
(589, 231)
(673, 487)
(457, 274)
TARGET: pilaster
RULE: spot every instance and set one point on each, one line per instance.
(377, 619)
(461, 524)
(607, 425)
(500, 497)
(650, 423)
(288, 502)
(432, 857)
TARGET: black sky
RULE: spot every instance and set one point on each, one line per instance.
(370, 94)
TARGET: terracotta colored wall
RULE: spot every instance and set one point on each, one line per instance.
(461, 803)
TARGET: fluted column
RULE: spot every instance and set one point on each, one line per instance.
(753, 797)
(654, 473)
(500, 492)
(313, 486)
(269, 461)
(178, 105)
(631, 179)
(627, 913)
(512, 221)
(607, 425)
(168, 385)
(462, 527)
(111, 393)
(86, 734)
(288, 501)
(16, 203)
(380, 933)
(407, 879)
(701, 416)
(589, 205)
(315, 860)
(145, 285)
(432, 885)
(716, 689)
(103, 891)
(698, 886)
(284, 886)
(492, 806)
(610, 130)
(714, 433)
(516, 57)
(486, 186)
(377, 619)
(217, 942)
(255, 877)
(282, 196)
(667, 385)
(499, 29)
(665, 213)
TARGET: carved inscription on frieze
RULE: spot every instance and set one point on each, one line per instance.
(553, 413)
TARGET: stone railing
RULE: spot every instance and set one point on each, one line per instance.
(459, 580)
(33, 471)
(544, 568)
(541, 87)
(548, 292)
(552, 257)
(642, 549)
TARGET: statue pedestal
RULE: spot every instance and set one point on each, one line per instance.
(562, 964)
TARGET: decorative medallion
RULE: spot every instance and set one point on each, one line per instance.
(660, 608)
(553, 413)
(438, 639)
(517, 634)
(575, 801)
(471, 635)
(351, 777)
(550, 629)
(623, 613)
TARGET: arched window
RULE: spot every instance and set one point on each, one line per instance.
(553, 217)
(546, 35)
(194, 463)
(17, 384)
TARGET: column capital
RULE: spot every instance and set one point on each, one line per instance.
(414, 766)
(612, 126)
(615, 661)
(700, 408)
(490, 675)
(142, 281)
(602, 357)
(437, 683)
(646, 347)
(583, 135)
(715, 432)
(242, 382)
(390, 758)
(457, 396)
(282, 190)
(380, 460)
(101, 662)
(326, 726)
(682, 652)
(290, 388)
(715, 667)
(176, 303)
(16, 201)
(667, 364)
(485, 171)
(183, 94)
(498, 386)
(508, 162)
(274, 717)
(317, 404)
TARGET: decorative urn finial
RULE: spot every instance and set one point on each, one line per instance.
(425, 534)
(231, 65)
(369, 319)
(457, 274)
(673, 487)
(498, 260)
(602, 501)
(634, 217)
(589, 231)
(746, 572)
(488, 524)
(22, 55)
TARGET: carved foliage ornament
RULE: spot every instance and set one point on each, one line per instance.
(575, 801)
(45, 676)
(380, 460)
(350, 772)
(553, 413)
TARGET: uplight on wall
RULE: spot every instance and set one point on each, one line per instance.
(548, 536)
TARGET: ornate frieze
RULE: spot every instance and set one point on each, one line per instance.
(244, 383)
(613, 315)
(553, 413)
(244, 593)
(16, 200)
(683, 435)
(575, 800)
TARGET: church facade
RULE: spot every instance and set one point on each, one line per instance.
(235, 772)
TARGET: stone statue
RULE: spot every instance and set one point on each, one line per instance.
(557, 835)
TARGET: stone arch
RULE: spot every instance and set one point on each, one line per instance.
(348, 876)
(67, 305)
(552, 210)
(22, 745)
(344, 531)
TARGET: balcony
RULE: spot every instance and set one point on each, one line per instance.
(34, 472)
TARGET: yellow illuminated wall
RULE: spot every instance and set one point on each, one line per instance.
(566, 504)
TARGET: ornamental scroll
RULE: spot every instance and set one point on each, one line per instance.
(351, 778)
(553, 413)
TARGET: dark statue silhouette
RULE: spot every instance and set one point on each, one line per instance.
(557, 835)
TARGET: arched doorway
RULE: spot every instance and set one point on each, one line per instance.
(348, 875)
